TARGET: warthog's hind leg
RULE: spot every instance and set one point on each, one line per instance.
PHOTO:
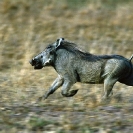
(108, 86)
(56, 84)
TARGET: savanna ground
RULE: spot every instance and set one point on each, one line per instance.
(26, 27)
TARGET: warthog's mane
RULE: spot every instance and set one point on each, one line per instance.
(73, 48)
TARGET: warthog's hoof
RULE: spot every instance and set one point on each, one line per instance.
(111, 94)
(73, 92)
(40, 99)
(104, 98)
(70, 93)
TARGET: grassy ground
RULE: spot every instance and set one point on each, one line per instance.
(26, 27)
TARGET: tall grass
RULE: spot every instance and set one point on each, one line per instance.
(28, 26)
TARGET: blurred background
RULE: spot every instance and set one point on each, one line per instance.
(26, 28)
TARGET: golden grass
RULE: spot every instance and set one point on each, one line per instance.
(101, 27)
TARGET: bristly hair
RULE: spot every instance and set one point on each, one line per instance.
(72, 47)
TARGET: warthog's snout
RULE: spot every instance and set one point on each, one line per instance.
(32, 62)
(37, 64)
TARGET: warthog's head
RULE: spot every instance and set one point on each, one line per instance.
(46, 57)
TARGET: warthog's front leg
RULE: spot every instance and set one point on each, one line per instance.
(65, 89)
(56, 84)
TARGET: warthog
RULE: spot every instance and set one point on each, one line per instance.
(74, 65)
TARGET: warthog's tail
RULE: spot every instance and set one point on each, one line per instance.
(131, 58)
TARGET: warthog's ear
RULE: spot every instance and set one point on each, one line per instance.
(58, 42)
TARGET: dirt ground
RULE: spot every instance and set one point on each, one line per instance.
(27, 27)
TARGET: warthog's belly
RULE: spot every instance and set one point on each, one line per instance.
(91, 73)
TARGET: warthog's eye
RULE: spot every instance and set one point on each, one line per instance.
(41, 56)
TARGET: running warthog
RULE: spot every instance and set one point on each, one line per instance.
(74, 65)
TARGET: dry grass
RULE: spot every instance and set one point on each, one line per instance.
(101, 27)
